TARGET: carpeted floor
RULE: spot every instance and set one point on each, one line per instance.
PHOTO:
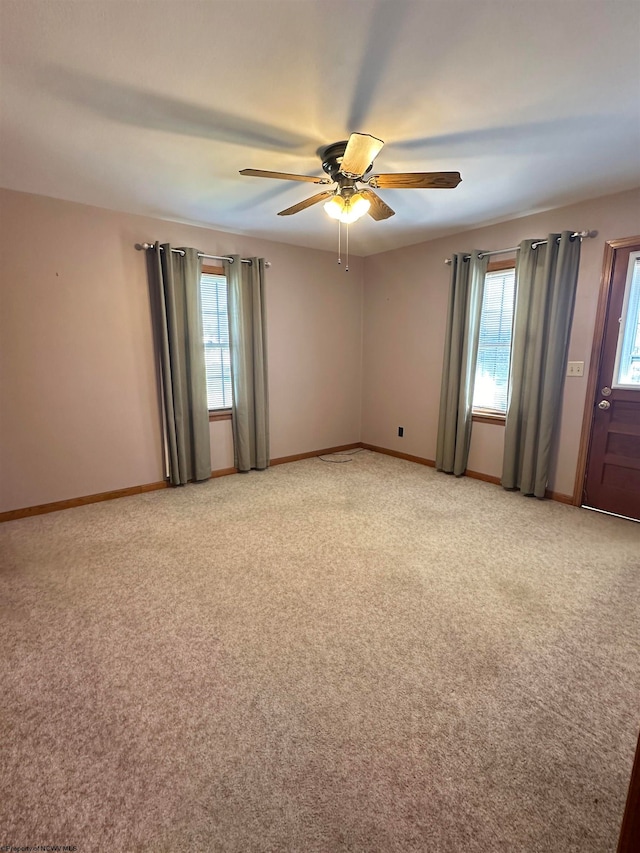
(365, 656)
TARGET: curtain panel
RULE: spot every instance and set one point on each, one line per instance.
(546, 280)
(175, 289)
(459, 364)
(247, 338)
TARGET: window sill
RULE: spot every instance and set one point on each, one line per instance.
(484, 417)
(220, 415)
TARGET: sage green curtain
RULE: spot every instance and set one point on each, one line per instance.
(546, 279)
(175, 285)
(247, 338)
(459, 365)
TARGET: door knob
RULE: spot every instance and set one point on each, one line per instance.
(604, 404)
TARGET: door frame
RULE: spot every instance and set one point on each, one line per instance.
(629, 839)
(611, 248)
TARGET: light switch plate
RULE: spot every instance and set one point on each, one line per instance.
(575, 368)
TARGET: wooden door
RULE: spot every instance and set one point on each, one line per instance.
(612, 481)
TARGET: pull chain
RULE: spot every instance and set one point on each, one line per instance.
(347, 267)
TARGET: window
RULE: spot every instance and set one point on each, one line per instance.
(491, 386)
(215, 327)
(627, 370)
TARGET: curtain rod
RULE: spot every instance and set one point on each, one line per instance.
(141, 246)
(580, 234)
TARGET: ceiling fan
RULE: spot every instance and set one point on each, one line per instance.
(348, 164)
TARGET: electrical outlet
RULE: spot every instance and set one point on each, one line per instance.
(400, 431)
(575, 368)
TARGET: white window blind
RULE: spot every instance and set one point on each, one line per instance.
(215, 327)
(494, 348)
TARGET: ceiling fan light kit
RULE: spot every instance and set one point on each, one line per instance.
(348, 164)
(347, 210)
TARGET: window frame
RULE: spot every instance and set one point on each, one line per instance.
(223, 414)
(478, 414)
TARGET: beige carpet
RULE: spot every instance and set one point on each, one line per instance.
(366, 656)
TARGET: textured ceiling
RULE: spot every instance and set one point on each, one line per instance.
(153, 106)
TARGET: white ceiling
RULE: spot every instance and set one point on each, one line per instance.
(153, 106)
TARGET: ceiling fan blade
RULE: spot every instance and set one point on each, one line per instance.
(284, 176)
(416, 180)
(361, 151)
(306, 203)
(378, 210)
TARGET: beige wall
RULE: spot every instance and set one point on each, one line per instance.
(78, 401)
(405, 309)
